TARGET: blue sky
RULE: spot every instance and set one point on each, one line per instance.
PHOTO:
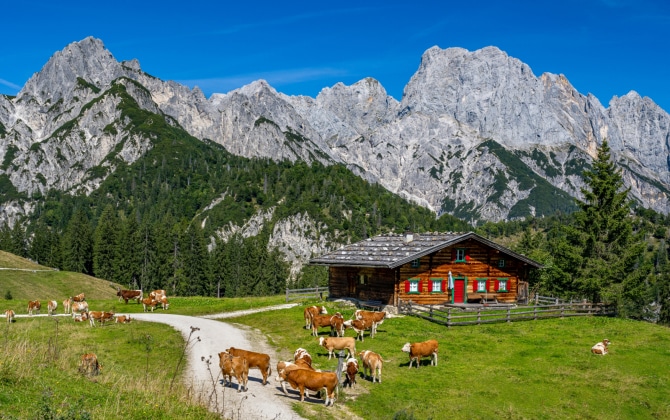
(603, 47)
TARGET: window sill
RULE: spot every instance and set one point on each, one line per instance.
(413, 293)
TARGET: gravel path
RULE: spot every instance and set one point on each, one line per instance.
(259, 402)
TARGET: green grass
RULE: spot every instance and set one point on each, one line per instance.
(525, 370)
(39, 375)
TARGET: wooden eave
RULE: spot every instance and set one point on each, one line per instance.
(392, 251)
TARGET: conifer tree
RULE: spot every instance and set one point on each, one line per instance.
(77, 244)
(105, 244)
(609, 249)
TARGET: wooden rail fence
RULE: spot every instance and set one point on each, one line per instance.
(315, 292)
(456, 317)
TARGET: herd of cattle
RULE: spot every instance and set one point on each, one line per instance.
(300, 374)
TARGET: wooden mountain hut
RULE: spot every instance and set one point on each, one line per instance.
(430, 268)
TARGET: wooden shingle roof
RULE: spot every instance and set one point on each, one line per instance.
(394, 250)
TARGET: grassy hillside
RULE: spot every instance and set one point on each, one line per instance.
(25, 280)
(525, 370)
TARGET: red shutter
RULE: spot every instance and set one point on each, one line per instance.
(497, 284)
(453, 254)
(488, 284)
(467, 255)
(444, 285)
(407, 286)
(430, 285)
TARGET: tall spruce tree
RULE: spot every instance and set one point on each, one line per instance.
(105, 243)
(77, 244)
(609, 249)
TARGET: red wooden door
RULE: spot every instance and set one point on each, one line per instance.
(459, 290)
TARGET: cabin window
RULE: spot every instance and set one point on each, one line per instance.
(413, 286)
(460, 255)
(480, 285)
(436, 285)
(501, 263)
(502, 285)
(363, 279)
(416, 263)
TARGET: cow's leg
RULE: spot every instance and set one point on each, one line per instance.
(302, 392)
(435, 356)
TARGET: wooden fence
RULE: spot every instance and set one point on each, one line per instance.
(454, 316)
(315, 292)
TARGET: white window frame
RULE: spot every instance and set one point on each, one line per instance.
(437, 282)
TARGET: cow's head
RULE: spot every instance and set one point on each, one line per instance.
(322, 340)
(606, 342)
(406, 348)
(323, 310)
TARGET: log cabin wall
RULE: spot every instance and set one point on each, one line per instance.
(480, 262)
(364, 283)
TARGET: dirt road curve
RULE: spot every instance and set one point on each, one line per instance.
(259, 402)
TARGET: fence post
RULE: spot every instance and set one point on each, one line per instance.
(509, 313)
(479, 316)
(535, 313)
(562, 310)
(430, 312)
(537, 297)
(287, 295)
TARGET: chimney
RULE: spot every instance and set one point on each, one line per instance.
(409, 237)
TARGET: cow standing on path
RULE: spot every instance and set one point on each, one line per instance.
(9, 314)
(34, 306)
(261, 361)
(234, 366)
(51, 306)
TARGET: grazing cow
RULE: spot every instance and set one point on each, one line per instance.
(123, 319)
(79, 298)
(99, 316)
(89, 364)
(157, 294)
(310, 311)
(286, 366)
(335, 322)
(148, 302)
(9, 314)
(51, 306)
(261, 361)
(369, 317)
(164, 302)
(79, 308)
(80, 317)
(34, 305)
(67, 305)
(234, 366)
(418, 350)
(304, 379)
(352, 372)
(302, 354)
(127, 295)
(359, 326)
(338, 343)
(372, 362)
(600, 348)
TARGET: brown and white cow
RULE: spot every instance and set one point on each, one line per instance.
(281, 366)
(310, 311)
(149, 303)
(123, 319)
(79, 308)
(338, 343)
(157, 294)
(359, 326)
(234, 366)
(34, 306)
(164, 302)
(304, 379)
(51, 306)
(260, 361)
(601, 347)
(335, 322)
(67, 305)
(127, 295)
(82, 317)
(302, 354)
(9, 314)
(372, 362)
(369, 317)
(89, 364)
(424, 349)
(100, 316)
(79, 298)
(352, 372)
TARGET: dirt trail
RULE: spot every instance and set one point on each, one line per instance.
(259, 402)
